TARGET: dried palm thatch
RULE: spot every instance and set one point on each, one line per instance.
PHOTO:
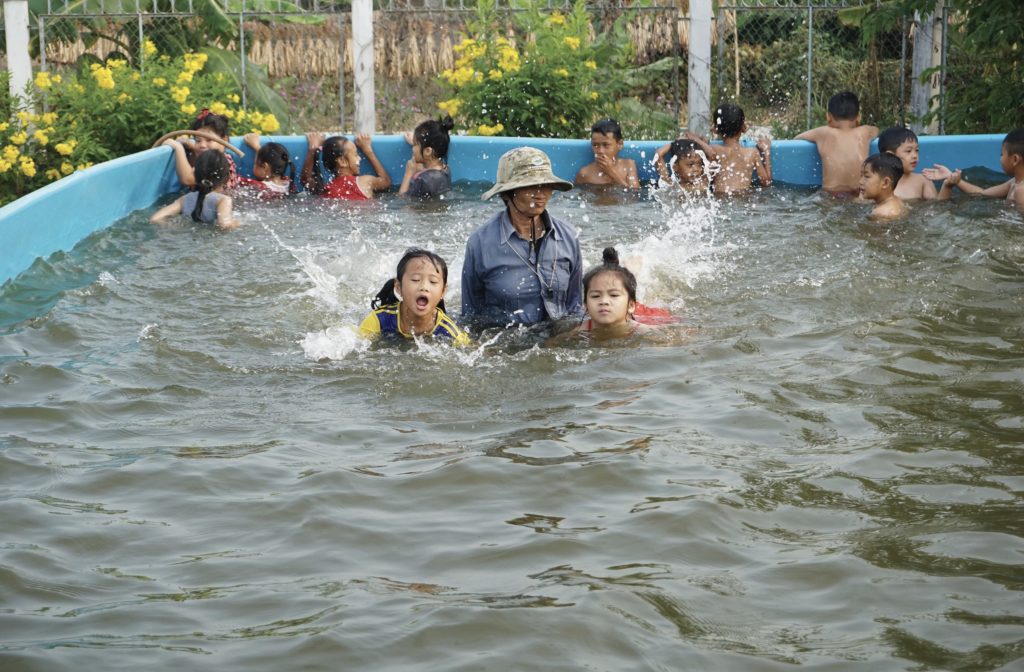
(406, 44)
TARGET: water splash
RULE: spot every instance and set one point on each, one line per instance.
(333, 343)
(684, 251)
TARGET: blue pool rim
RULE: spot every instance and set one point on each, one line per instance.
(58, 216)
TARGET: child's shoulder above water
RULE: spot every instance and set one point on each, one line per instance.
(608, 168)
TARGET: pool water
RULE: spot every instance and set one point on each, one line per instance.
(202, 468)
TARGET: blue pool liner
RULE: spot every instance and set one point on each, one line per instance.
(62, 213)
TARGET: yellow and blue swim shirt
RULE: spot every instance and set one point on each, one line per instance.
(385, 321)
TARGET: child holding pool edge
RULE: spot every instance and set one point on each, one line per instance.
(879, 176)
(738, 164)
(426, 173)
(682, 163)
(1011, 159)
(208, 204)
(216, 124)
(607, 168)
(339, 156)
(273, 169)
(412, 303)
(903, 143)
(843, 144)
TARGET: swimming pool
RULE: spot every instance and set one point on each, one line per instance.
(202, 469)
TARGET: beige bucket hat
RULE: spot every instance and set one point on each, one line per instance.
(525, 167)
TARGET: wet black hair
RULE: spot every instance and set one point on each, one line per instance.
(332, 149)
(386, 296)
(844, 106)
(1014, 142)
(610, 264)
(212, 171)
(275, 155)
(729, 120)
(886, 165)
(890, 139)
(608, 127)
(680, 148)
(208, 121)
(434, 133)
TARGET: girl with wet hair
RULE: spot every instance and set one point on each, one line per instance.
(273, 171)
(426, 173)
(208, 204)
(340, 157)
(613, 312)
(609, 297)
(412, 303)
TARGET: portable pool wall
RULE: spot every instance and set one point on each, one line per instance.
(58, 216)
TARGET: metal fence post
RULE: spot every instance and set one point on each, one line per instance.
(341, 70)
(142, 52)
(942, 70)
(676, 49)
(903, 68)
(720, 55)
(241, 47)
(42, 43)
(810, 56)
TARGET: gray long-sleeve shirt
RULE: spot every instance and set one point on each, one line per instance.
(504, 282)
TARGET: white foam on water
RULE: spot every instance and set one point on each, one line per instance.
(333, 343)
(685, 251)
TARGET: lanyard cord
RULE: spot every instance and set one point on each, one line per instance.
(535, 268)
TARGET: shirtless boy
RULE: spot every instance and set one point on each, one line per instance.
(902, 142)
(737, 164)
(1011, 159)
(879, 176)
(607, 167)
(842, 144)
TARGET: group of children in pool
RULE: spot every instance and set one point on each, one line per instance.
(412, 303)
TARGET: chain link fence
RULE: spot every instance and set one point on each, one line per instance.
(780, 60)
(305, 48)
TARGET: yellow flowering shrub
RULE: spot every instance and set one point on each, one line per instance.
(516, 80)
(109, 110)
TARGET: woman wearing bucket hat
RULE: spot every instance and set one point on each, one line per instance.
(523, 266)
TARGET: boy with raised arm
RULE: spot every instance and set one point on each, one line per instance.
(736, 164)
(1011, 159)
(842, 144)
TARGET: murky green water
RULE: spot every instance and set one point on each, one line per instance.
(200, 470)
